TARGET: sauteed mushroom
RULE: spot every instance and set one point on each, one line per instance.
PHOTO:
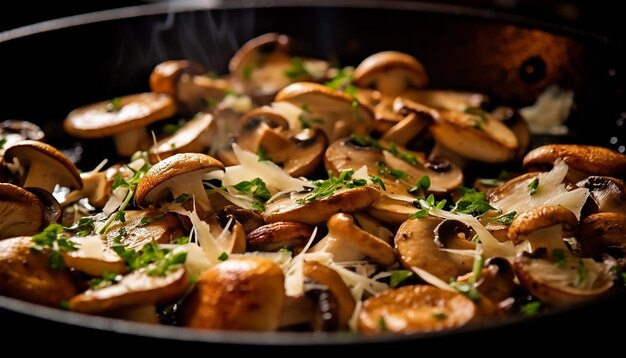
(21, 212)
(278, 235)
(390, 72)
(193, 137)
(604, 233)
(543, 226)
(609, 194)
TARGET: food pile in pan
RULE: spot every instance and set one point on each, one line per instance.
(292, 195)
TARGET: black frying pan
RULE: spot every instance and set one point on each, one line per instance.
(50, 68)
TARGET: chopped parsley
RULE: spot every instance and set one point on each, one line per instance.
(262, 154)
(378, 181)
(106, 280)
(114, 105)
(420, 214)
(559, 256)
(256, 187)
(84, 226)
(384, 169)
(504, 219)
(472, 202)
(533, 186)
(296, 69)
(421, 186)
(466, 289)
(181, 240)
(325, 188)
(531, 308)
(342, 81)
(439, 315)
(3, 142)
(51, 240)
(618, 273)
(156, 260)
(393, 148)
(223, 256)
(382, 325)
(398, 276)
(147, 220)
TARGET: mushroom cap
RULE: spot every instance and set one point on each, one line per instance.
(193, 137)
(417, 308)
(248, 52)
(238, 294)
(337, 111)
(28, 151)
(138, 110)
(609, 194)
(284, 208)
(587, 159)
(14, 130)
(164, 77)
(280, 234)
(151, 186)
(162, 230)
(603, 233)
(475, 137)
(542, 217)
(381, 63)
(21, 212)
(26, 274)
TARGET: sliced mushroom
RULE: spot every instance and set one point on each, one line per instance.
(176, 175)
(26, 275)
(138, 288)
(94, 257)
(323, 275)
(184, 81)
(263, 66)
(348, 242)
(278, 235)
(264, 129)
(43, 166)
(143, 226)
(543, 226)
(345, 154)
(562, 283)
(416, 246)
(194, 137)
(411, 309)
(249, 219)
(478, 137)
(609, 194)
(237, 294)
(382, 107)
(234, 232)
(51, 208)
(604, 233)
(285, 208)
(21, 212)
(125, 118)
(97, 188)
(497, 279)
(583, 160)
(13, 131)
(390, 72)
(391, 211)
(416, 119)
(335, 112)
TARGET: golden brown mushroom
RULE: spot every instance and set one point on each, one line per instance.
(124, 118)
(390, 72)
(21, 212)
(543, 226)
(143, 226)
(193, 137)
(609, 194)
(604, 233)
(277, 235)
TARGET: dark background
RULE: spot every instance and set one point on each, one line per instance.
(598, 16)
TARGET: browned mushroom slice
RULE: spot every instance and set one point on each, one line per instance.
(285, 208)
(124, 118)
(97, 188)
(569, 280)
(138, 288)
(263, 66)
(13, 131)
(497, 279)
(278, 235)
(25, 274)
(348, 242)
(183, 81)
(446, 100)
(382, 107)
(143, 226)
(249, 219)
(504, 190)
(416, 246)
(265, 130)
(543, 226)
(416, 120)
(52, 211)
(237, 294)
(583, 160)
(43, 166)
(177, 175)
(473, 136)
(226, 229)
(194, 137)
(21, 212)
(391, 211)
(609, 194)
(390, 72)
(411, 309)
(604, 233)
(93, 257)
(334, 112)
(346, 154)
(323, 275)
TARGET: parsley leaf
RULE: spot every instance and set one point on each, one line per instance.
(421, 186)
(384, 169)
(158, 261)
(420, 214)
(262, 154)
(256, 187)
(181, 240)
(107, 279)
(531, 308)
(146, 220)
(182, 198)
(247, 72)
(504, 219)
(114, 105)
(49, 239)
(296, 69)
(171, 261)
(378, 181)
(533, 186)
(84, 226)
(397, 276)
(342, 81)
(324, 188)
(223, 256)
(472, 202)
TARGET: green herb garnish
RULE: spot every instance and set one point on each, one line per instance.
(472, 202)
(114, 105)
(223, 257)
(378, 181)
(324, 188)
(107, 279)
(256, 187)
(531, 308)
(504, 219)
(84, 226)
(147, 220)
(533, 186)
(421, 186)
(384, 169)
(3, 142)
(420, 214)
(247, 72)
(158, 261)
(182, 198)
(398, 276)
(51, 240)
(296, 69)
(262, 154)
(182, 240)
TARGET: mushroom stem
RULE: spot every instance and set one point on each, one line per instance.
(130, 141)
(42, 176)
(188, 184)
